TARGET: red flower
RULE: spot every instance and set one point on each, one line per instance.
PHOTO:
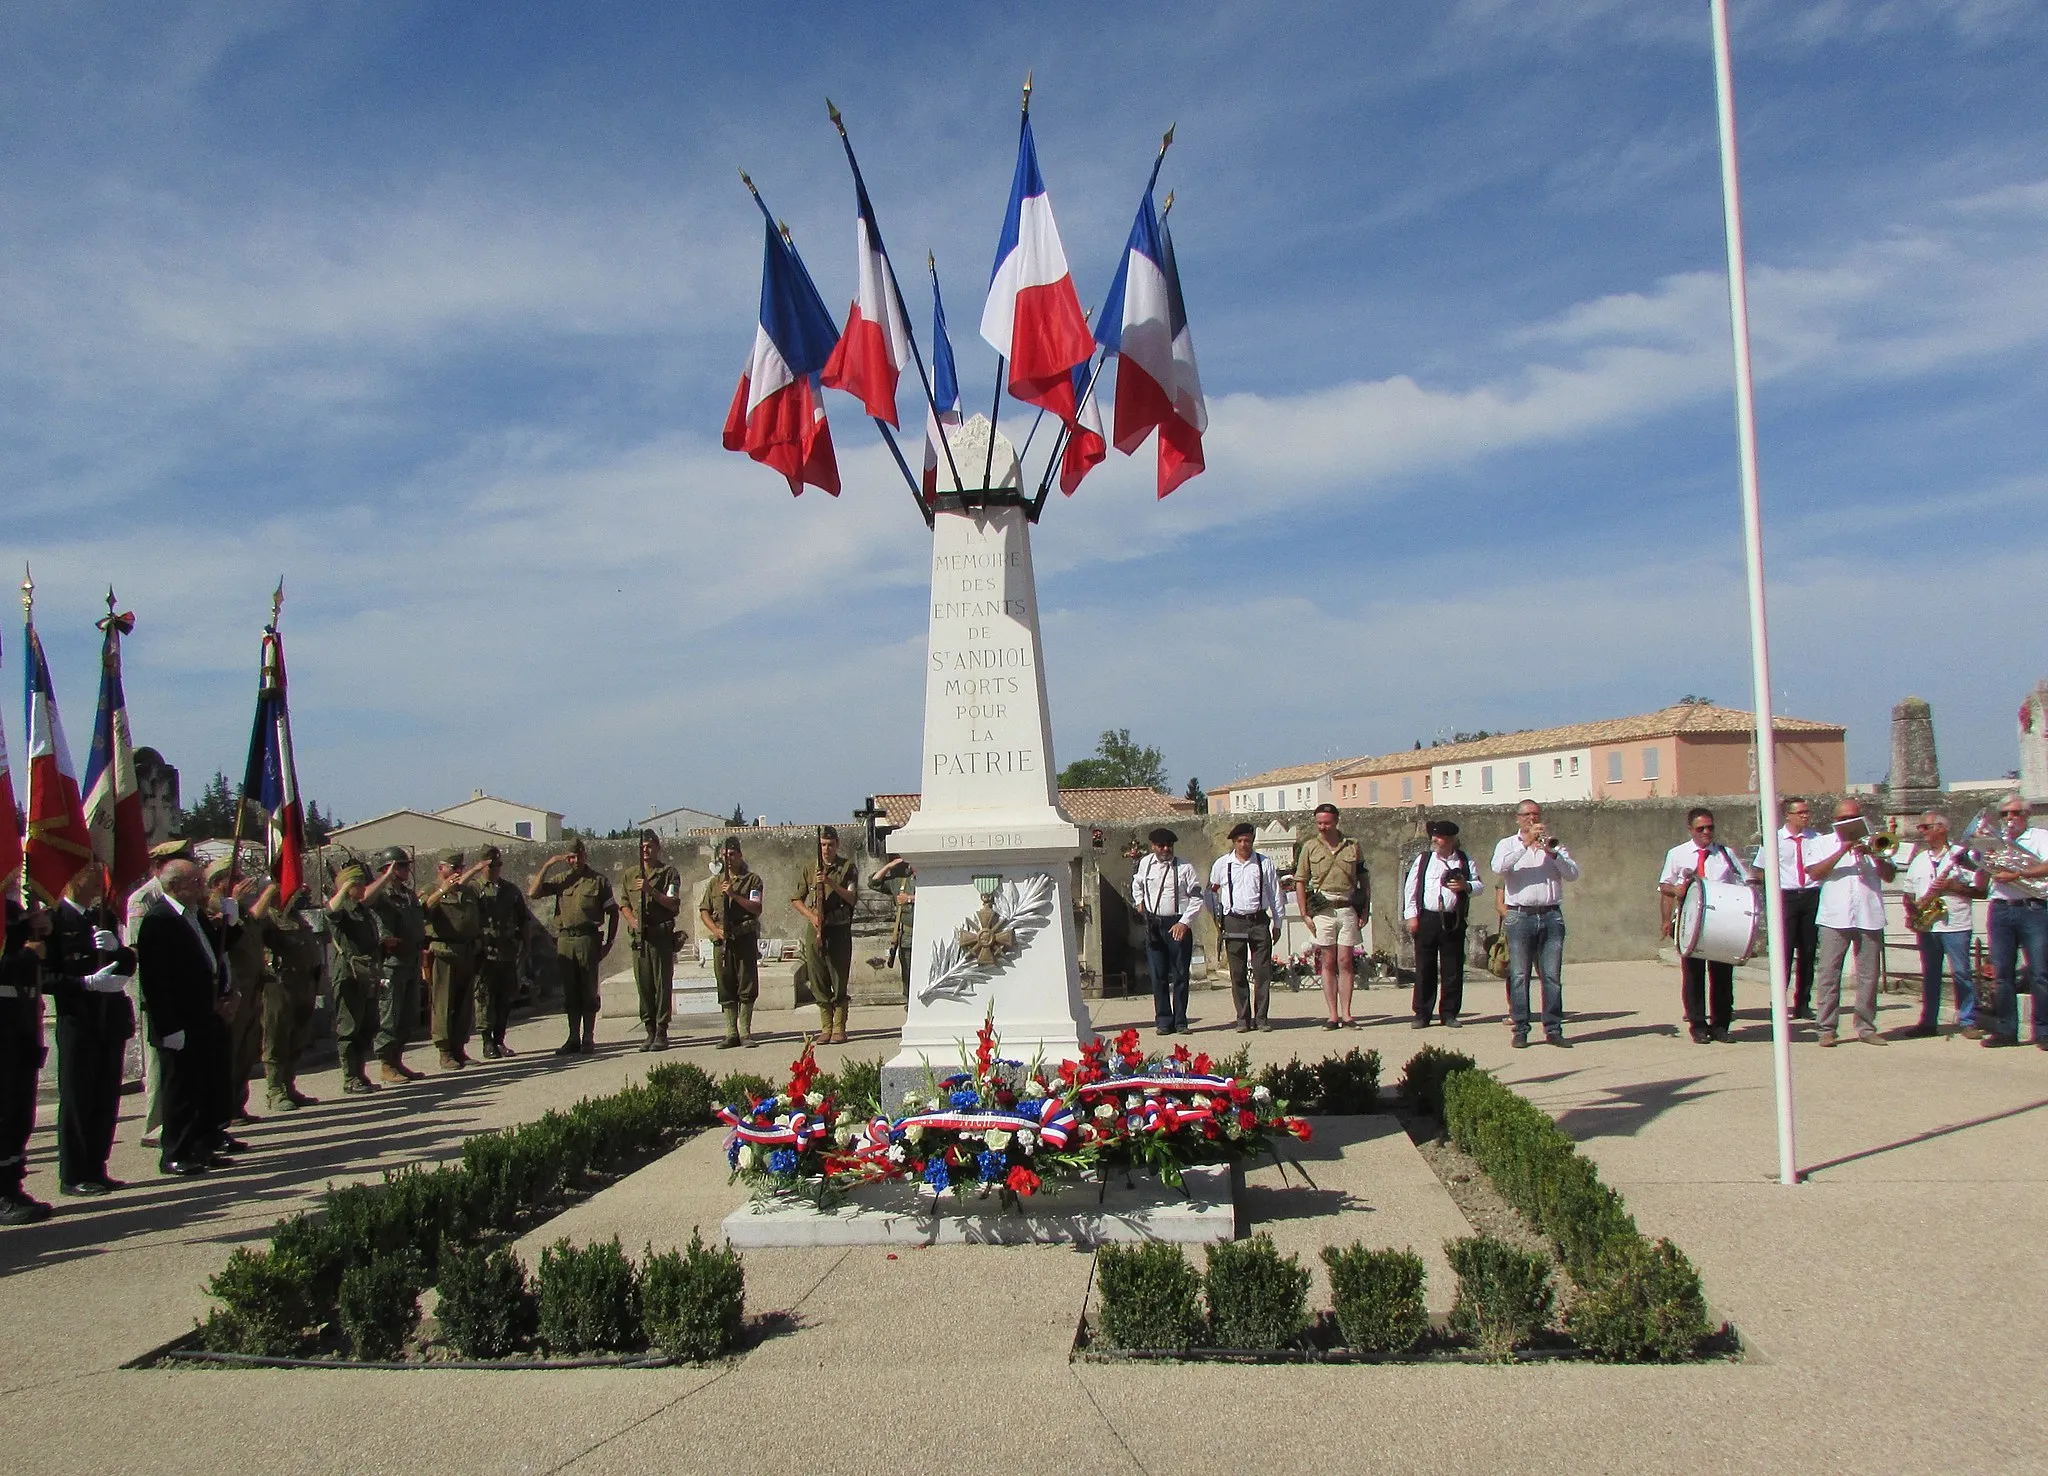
(1201, 1064)
(1126, 1042)
(1005, 1098)
(1023, 1181)
(1299, 1127)
(801, 1072)
(1209, 1131)
(1247, 1120)
(1180, 1054)
(1070, 1071)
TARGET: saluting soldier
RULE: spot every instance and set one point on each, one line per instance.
(246, 968)
(583, 905)
(825, 898)
(730, 912)
(455, 921)
(401, 940)
(896, 878)
(505, 921)
(654, 901)
(288, 997)
(358, 960)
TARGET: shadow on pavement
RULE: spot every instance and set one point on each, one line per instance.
(1927, 1137)
(1626, 1110)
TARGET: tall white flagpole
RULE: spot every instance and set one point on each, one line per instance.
(1759, 630)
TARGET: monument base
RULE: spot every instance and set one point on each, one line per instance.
(1086, 1214)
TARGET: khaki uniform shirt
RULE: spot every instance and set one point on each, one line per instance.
(401, 919)
(504, 916)
(1331, 873)
(658, 902)
(455, 921)
(295, 950)
(841, 873)
(711, 906)
(357, 942)
(583, 900)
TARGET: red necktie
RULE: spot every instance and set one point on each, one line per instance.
(1799, 855)
(1700, 867)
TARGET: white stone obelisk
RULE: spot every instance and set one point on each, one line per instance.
(988, 829)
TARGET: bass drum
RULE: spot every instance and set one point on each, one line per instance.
(1717, 921)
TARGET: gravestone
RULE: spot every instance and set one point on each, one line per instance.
(2033, 724)
(996, 859)
(1915, 781)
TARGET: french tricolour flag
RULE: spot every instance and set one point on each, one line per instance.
(1033, 316)
(875, 344)
(945, 396)
(1085, 446)
(113, 804)
(269, 778)
(1145, 324)
(778, 411)
(10, 819)
(59, 845)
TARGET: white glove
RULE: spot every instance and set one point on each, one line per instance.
(106, 981)
(229, 910)
(104, 940)
(175, 1041)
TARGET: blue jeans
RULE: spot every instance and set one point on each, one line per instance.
(1953, 949)
(1169, 960)
(2016, 928)
(1538, 938)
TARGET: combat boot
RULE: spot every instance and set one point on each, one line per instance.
(391, 1073)
(278, 1095)
(661, 1040)
(647, 1044)
(573, 1044)
(291, 1089)
(590, 1034)
(732, 1029)
(747, 1024)
(503, 1049)
(839, 1024)
(824, 1024)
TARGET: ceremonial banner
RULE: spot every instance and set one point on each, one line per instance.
(113, 803)
(59, 845)
(269, 779)
(875, 344)
(1033, 316)
(945, 394)
(1145, 324)
(778, 414)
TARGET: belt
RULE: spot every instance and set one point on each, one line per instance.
(2020, 901)
(581, 930)
(1544, 907)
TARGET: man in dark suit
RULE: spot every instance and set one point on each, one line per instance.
(183, 965)
(85, 975)
(21, 1056)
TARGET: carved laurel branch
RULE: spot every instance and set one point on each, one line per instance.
(1022, 907)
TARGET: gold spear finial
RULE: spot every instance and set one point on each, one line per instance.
(837, 121)
(1167, 142)
(28, 591)
(276, 601)
(783, 226)
(931, 262)
(1166, 209)
(748, 180)
(1027, 92)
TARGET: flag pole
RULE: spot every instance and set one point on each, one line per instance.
(1759, 630)
(28, 674)
(909, 330)
(996, 401)
(262, 678)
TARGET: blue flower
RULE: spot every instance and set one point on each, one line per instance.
(732, 1153)
(964, 1100)
(992, 1164)
(782, 1161)
(935, 1175)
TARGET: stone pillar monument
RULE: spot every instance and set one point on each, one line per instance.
(995, 858)
(2034, 745)
(1915, 782)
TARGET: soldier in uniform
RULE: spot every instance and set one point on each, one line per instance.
(583, 906)
(288, 999)
(455, 921)
(86, 973)
(730, 914)
(358, 959)
(402, 938)
(245, 977)
(505, 921)
(897, 878)
(1331, 887)
(21, 1055)
(654, 901)
(825, 897)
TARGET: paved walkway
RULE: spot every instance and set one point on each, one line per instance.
(1894, 1301)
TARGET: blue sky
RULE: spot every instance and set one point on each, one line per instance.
(436, 310)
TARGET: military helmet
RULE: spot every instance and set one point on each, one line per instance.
(393, 856)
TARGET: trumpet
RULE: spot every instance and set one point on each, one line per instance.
(1882, 845)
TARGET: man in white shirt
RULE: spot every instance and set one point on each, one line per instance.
(1851, 918)
(1940, 871)
(1244, 893)
(1436, 897)
(1533, 868)
(1167, 892)
(1709, 1011)
(2018, 923)
(1800, 912)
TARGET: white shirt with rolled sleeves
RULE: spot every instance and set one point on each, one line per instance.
(2034, 840)
(1927, 866)
(1170, 888)
(1533, 876)
(1796, 850)
(1434, 897)
(1683, 861)
(1243, 887)
(1851, 896)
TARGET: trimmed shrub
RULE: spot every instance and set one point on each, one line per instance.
(487, 1305)
(694, 1299)
(511, 1172)
(1349, 1083)
(1422, 1079)
(856, 1087)
(1378, 1297)
(267, 1304)
(1504, 1294)
(738, 1088)
(311, 1239)
(1257, 1298)
(685, 1092)
(1150, 1296)
(1643, 1304)
(380, 1306)
(1294, 1084)
(589, 1299)
(1238, 1063)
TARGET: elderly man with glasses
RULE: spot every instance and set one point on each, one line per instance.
(2019, 925)
(1851, 919)
(1942, 884)
(1707, 987)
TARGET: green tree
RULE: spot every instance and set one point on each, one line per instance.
(1199, 795)
(739, 817)
(212, 816)
(1118, 763)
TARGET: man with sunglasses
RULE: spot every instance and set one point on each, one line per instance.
(1851, 921)
(1707, 987)
(1939, 869)
(1798, 842)
(2019, 925)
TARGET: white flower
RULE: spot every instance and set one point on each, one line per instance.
(1134, 1101)
(996, 1139)
(746, 1159)
(1026, 1139)
(782, 1121)
(914, 1133)
(1034, 1088)
(912, 1101)
(1201, 1099)
(843, 1118)
(815, 1099)
(784, 1099)
(1105, 1111)
(843, 1137)
(1261, 1094)
(896, 1153)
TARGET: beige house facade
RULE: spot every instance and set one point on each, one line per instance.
(506, 817)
